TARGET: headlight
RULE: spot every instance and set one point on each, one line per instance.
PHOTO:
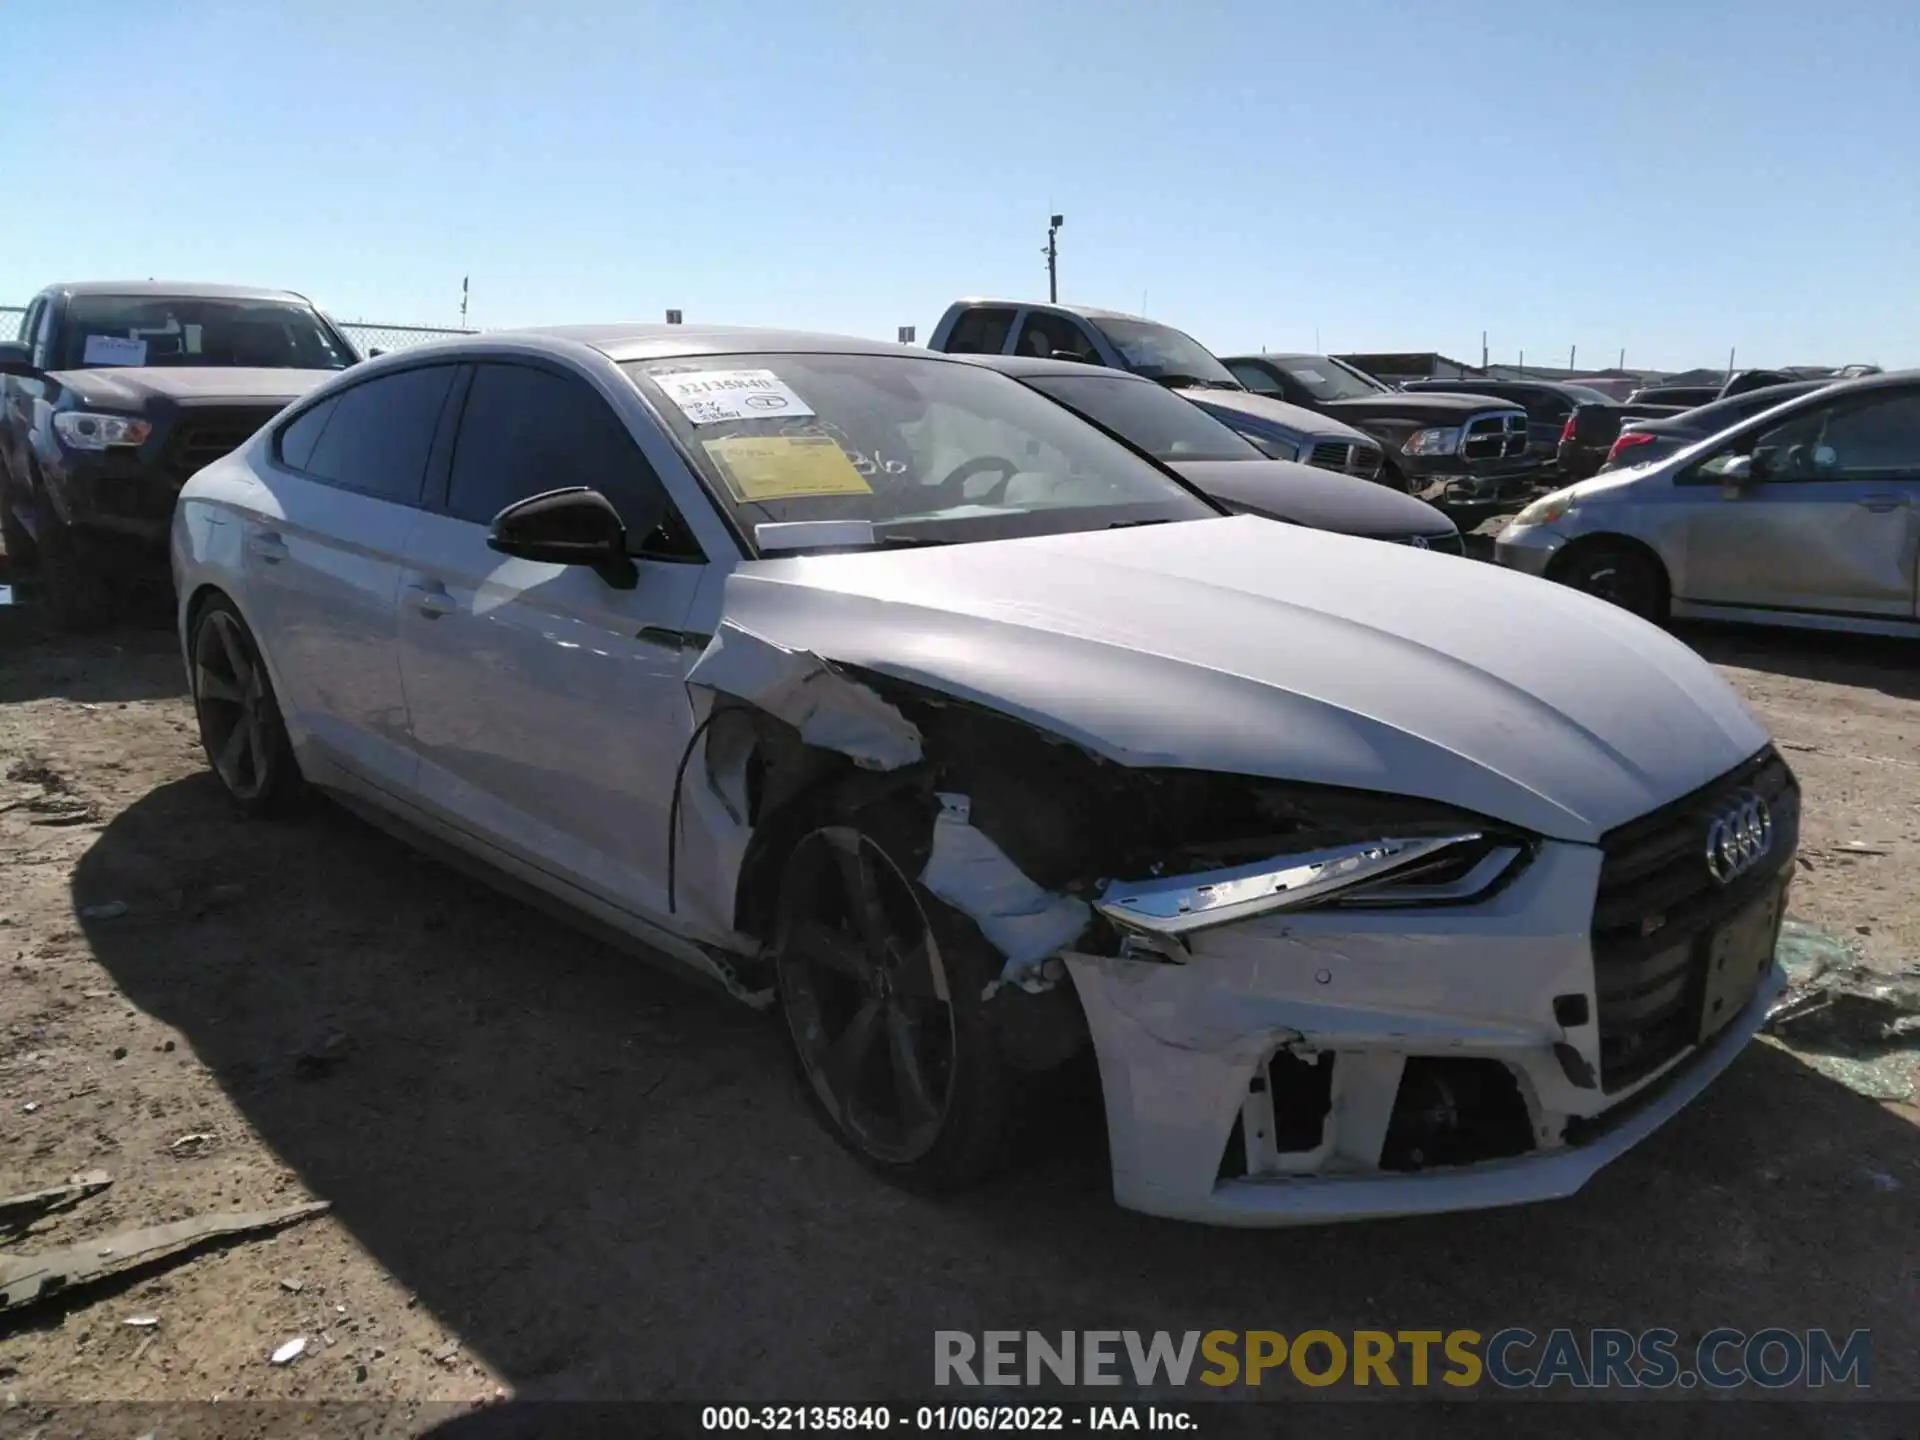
(1547, 509)
(1440, 441)
(1353, 851)
(82, 430)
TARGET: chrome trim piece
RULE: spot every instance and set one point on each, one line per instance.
(1180, 904)
(1489, 869)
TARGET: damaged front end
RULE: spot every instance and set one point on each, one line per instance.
(1307, 1002)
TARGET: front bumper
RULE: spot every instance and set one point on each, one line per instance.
(1186, 1054)
(1483, 480)
(1531, 548)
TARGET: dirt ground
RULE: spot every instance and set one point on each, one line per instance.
(556, 1172)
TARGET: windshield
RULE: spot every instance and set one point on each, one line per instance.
(105, 330)
(1581, 395)
(1157, 420)
(1325, 378)
(1161, 353)
(926, 451)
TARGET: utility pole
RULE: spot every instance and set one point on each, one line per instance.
(1483, 352)
(1522, 367)
(463, 300)
(1052, 253)
(1623, 359)
(1572, 350)
(1729, 362)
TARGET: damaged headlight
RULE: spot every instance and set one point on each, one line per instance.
(1421, 863)
(1441, 440)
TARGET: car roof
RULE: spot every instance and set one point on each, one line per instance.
(1023, 366)
(1277, 355)
(170, 290)
(1085, 312)
(665, 342)
(1562, 387)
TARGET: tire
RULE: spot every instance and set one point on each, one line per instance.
(1620, 576)
(880, 985)
(72, 590)
(241, 731)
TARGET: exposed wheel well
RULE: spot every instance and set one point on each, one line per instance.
(1584, 546)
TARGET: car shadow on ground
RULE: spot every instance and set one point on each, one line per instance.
(136, 660)
(606, 1180)
(1889, 664)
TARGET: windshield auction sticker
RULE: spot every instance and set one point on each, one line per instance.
(709, 397)
(785, 467)
(114, 350)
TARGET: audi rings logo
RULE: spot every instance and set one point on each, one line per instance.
(1739, 838)
(1419, 542)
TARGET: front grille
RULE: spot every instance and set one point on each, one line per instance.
(1361, 460)
(203, 436)
(1656, 910)
(1495, 437)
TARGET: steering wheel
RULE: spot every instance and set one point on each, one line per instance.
(956, 479)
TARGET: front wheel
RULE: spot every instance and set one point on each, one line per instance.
(1619, 576)
(881, 987)
(240, 725)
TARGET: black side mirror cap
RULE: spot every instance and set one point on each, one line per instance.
(572, 526)
(17, 359)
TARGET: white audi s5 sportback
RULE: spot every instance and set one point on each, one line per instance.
(881, 690)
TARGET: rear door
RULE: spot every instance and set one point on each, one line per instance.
(549, 710)
(323, 561)
(980, 330)
(1832, 526)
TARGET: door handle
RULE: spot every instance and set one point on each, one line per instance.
(268, 547)
(430, 598)
(1881, 504)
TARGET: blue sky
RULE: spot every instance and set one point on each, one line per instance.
(1675, 178)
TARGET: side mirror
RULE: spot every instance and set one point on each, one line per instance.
(17, 359)
(1074, 356)
(375, 350)
(575, 526)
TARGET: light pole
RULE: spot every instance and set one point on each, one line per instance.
(1052, 253)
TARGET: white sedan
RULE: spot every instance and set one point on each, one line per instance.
(875, 687)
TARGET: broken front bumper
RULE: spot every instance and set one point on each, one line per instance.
(1202, 1062)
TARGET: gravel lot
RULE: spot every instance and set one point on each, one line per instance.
(555, 1171)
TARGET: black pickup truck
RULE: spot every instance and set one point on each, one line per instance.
(1458, 447)
(114, 394)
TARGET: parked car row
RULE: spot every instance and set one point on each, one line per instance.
(967, 706)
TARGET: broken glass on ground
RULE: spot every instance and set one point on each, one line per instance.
(1852, 1023)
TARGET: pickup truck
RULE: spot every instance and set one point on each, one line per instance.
(116, 393)
(1157, 352)
(1460, 447)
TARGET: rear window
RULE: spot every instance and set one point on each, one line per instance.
(106, 330)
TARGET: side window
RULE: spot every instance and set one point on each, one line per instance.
(1256, 379)
(377, 438)
(36, 328)
(525, 431)
(1042, 335)
(298, 438)
(1861, 441)
(980, 331)
(1546, 407)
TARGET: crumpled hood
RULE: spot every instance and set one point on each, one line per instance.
(128, 387)
(1324, 499)
(1241, 646)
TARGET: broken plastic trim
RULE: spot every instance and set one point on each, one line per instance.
(1181, 904)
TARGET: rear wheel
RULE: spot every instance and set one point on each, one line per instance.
(881, 987)
(1619, 576)
(240, 725)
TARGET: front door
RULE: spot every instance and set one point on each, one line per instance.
(549, 709)
(322, 553)
(1828, 523)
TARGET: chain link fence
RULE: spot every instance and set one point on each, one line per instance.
(367, 335)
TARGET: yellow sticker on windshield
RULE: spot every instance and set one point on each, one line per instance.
(785, 467)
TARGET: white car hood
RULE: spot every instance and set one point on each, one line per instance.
(1243, 646)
